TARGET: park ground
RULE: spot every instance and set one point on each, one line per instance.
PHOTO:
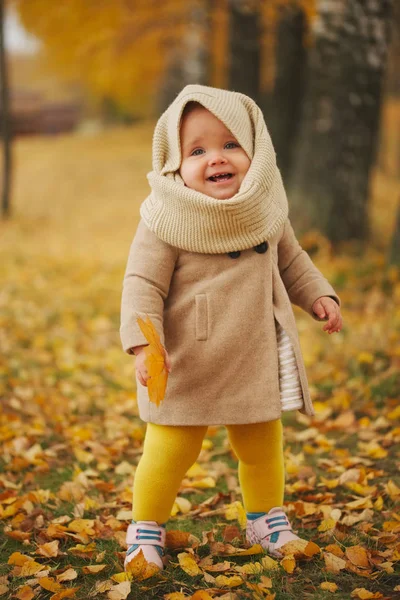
(69, 428)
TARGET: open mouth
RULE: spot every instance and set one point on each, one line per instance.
(220, 177)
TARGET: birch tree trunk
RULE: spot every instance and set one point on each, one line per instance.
(340, 124)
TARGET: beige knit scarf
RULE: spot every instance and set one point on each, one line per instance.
(190, 220)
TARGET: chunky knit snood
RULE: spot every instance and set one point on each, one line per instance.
(192, 221)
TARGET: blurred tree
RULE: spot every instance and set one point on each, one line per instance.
(394, 257)
(115, 49)
(5, 121)
(283, 105)
(339, 129)
(244, 47)
(191, 63)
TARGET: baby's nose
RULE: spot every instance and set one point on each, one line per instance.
(217, 159)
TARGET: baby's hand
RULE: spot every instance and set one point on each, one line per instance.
(326, 308)
(141, 369)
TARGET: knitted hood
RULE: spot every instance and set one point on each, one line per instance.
(193, 221)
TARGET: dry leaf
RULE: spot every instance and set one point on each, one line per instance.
(333, 564)
(224, 581)
(90, 569)
(120, 591)
(358, 556)
(67, 575)
(364, 594)
(328, 586)
(175, 596)
(139, 569)
(50, 549)
(25, 593)
(288, 563)
(155, 362)
(188, 564)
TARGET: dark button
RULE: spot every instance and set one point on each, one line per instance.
(261, 248)
(234, 254)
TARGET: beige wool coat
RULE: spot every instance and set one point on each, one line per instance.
(216, 317)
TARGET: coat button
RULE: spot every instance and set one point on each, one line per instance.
(234, 254)
(261, 248)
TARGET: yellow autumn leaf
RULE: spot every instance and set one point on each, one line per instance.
(90, 569)
(68, 593)
(328, 586)
(288, 563)
(250, 568)
(201, 595)
(120, 577)
(155, 362)
(49, 549)
(188, 564)
(225, 581)
(326, 525)
(175, 596)
(25, 593)
(235, 511)
(333, 563)
(120, 591)
(139, 569)
(50, 584)
(364, 594)
(68, 575)
(269, 563)
(358, 556)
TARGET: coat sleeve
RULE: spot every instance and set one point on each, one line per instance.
(303, 281)
(146, 284)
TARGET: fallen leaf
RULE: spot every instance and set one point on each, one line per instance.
(358, 556)
(224, 581)
(90, 569)
(328, 586)
(333, 564)
(188, 564)
(67, 575)
(49, 549)
(288, 563)
(120, 591)
(155, 362)
(364, 594)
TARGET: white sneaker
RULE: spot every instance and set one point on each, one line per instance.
(149, 537)
(272, 530)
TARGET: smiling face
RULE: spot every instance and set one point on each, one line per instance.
(213, 162)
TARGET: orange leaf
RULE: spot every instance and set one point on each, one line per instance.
(328, 586)
(364, 594)
(25, 593)
(155, 362)
(358, 556)
(68, 593)
(334, 564)
(50, 584)
(138, 568)
(50, 549)
(288, 563)
(90, 569)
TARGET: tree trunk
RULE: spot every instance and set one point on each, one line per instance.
(244, 47)
(191, 62)
(5, 121)
(394, 258)
(285, 103)
(340, 125)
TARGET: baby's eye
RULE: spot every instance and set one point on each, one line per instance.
(232, 145)
(197, 152)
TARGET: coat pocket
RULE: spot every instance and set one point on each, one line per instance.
(201, 317)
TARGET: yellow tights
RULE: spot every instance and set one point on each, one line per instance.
(169, 451)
